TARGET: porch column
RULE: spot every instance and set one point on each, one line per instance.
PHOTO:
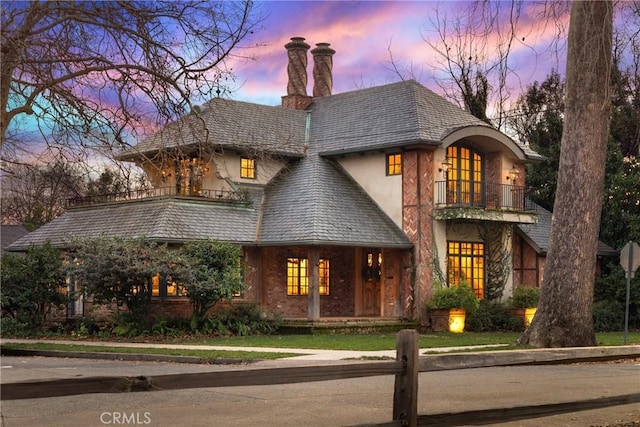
(314, 284)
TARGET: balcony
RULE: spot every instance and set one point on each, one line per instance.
(136, 195)
(464, 199)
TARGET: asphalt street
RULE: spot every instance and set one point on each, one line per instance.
(326, 403)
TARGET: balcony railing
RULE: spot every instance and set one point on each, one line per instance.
(487, 195)
(213, 195)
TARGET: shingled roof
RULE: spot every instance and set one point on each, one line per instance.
(166, 220)
(313, 201)
(537, 235)
(228, 124)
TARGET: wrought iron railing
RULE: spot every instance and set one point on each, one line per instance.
(487, 195)
(214, 195)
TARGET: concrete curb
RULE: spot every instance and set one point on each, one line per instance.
(126, 356)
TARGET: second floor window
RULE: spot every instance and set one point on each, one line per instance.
(247, 168)
(189, 176)
(465, 176)
(394, 164)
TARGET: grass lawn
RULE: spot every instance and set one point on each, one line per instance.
(388, 341)
(205, 354)
(362, 342)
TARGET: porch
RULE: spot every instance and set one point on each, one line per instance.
(344, 325)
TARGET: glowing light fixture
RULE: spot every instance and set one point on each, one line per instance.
(514, 173)
(456, 320)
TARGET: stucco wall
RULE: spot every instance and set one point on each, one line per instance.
(369, 170)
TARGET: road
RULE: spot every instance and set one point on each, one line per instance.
(327, 403)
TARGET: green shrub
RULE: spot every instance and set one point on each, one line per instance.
(14, 327)
(525, 297)
(608, 316)
(461, 296)
(246, 319)
(492, 316)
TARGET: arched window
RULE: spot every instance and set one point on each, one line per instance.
(465, 177)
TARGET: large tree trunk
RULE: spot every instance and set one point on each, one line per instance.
(564, 316)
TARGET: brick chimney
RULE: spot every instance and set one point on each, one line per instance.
(297, 97)
(322, 69)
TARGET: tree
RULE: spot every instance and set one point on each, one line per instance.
(33, 285)
(538, 120)
(564, 316)
(474, 50)
(35, 194)
(121, 271)
(90, 72)
(215, 275)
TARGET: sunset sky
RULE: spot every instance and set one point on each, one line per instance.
(365, 34)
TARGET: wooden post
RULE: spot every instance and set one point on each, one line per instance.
(314, 284)
(405, 393)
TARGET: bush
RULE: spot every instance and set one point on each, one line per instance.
(493, 316)
(608, 316)
(525, 297)
(33, 285)
(246, 319)
(461, 296)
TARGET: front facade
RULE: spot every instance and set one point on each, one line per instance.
(347, 205)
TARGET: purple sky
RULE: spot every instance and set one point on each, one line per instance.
(364, 35)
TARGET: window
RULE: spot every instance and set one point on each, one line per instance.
(465, 262)
(464, 177)
(162, 287)
(247, 168)
(394, 164)
(189, 175)
(298, 276)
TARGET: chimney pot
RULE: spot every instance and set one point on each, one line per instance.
(297, 66)
(322, 69)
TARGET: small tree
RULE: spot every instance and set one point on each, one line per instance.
(32, 285)
(215, 274)
(121, 271)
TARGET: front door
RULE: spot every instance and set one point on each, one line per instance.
(371, 274)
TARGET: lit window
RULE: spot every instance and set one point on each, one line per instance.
(247, 168)
(465, 262)
(298, 276)
(161, 287)
(190, 173)
(394, 164)
(465, 181)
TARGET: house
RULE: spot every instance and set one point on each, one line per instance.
(346, 205)
(531, 243)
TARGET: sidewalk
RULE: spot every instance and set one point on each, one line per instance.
(303, 354)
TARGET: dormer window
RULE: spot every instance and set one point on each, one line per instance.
(247, 168)
(394, 164)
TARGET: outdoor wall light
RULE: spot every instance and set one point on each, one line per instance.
(514, 173)
(445, 166)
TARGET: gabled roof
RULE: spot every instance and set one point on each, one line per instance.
(537, 235)
(230, 125)
(316, 203)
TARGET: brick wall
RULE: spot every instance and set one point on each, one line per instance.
(340, 301)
